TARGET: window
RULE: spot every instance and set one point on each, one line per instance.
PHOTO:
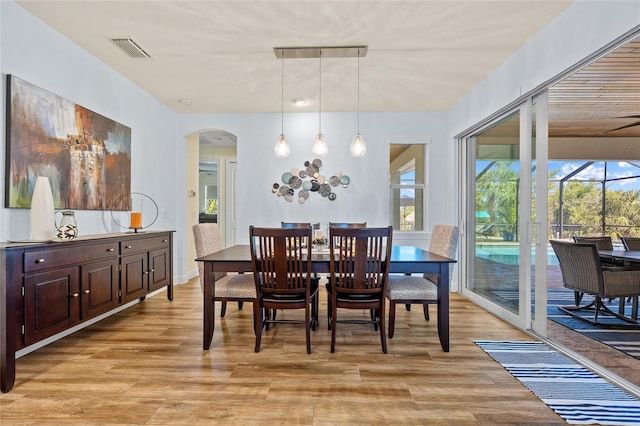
(407, 186)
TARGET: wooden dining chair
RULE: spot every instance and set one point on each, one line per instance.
(281, 261)
(315, 278)
(228, 287)
(340, 225)
(358, 275)
(408, 289)
(631, 243)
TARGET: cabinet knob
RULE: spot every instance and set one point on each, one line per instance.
(110, 249)
(127, 247)
(165, 241)
(39, 260)
(153, 270)
(146, 272)
(87, 291)
(75, 295)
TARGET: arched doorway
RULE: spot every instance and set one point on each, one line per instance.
(210, 153)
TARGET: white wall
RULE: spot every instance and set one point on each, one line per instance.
(36, 53)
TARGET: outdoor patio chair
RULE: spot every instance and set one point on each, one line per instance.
(486, 230)
(582, 272)
(631, 243)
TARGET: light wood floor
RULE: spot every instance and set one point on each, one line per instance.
(145, 365)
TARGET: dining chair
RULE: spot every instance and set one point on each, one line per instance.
(315, 279)
(281, 261)
(631, 243)
(228, 287)
(408, 289)
(358, 275)
(340, 225)
(602, 243)
(582, 272)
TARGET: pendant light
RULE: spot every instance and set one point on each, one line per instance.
(358, 148)
(320, 148)
(281, 149)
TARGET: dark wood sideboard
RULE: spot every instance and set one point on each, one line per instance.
(47, 288)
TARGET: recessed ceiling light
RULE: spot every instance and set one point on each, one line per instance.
(299, 102)
(184, 101)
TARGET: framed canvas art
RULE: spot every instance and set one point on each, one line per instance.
(86, 156)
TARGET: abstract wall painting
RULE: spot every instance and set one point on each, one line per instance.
(86, 156)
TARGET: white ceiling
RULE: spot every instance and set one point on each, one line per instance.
(422, 55)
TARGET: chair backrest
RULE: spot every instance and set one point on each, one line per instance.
(295, 224)
(207, 240)
(361, 259)
(602, 243)
(348, 224)
(631, 243)
(580, 266)
(444, 242)
(281, 259)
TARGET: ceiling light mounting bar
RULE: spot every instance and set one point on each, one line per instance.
(324, 51)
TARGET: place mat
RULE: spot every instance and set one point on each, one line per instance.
(574, 392)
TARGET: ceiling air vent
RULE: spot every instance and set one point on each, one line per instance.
(131, 47)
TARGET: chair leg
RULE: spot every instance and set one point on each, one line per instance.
(314, 312)
(425, 308)
(328, 312)
(577, 296)
(334, 316)
(223, 309)
(257, 323)
(407, 306)
(392, 318)
(383, 335)
(240, 306)
(372, 314)
(307, 326)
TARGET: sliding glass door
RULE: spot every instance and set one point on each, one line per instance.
(501, 174)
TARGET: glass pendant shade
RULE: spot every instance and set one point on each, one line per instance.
(320, 148)
(281, 149)
(358, 148)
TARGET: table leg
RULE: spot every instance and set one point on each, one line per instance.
(443, 306)
(209, 306)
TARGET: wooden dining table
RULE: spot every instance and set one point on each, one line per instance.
(404, 260)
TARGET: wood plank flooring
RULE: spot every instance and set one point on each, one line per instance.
(145, 365)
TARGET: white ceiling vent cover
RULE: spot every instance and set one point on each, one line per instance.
(131, 47)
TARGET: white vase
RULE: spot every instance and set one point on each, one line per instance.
(42, 211)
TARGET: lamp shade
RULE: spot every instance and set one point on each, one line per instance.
(358, 148)
(320, 148)
(281, 148)
(42, 210)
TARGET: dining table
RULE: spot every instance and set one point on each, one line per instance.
(404, 260)
(628, 259)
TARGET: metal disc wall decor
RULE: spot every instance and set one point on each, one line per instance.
(308, 180)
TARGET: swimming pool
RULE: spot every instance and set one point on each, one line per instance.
(509, 254)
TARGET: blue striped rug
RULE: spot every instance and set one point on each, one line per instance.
(577, 394)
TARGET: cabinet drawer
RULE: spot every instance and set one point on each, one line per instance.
(143, 244)
(68, 254)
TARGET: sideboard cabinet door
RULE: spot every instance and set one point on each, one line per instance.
(100, 285)
(160, 271)
(52, 303)
(133, 277)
